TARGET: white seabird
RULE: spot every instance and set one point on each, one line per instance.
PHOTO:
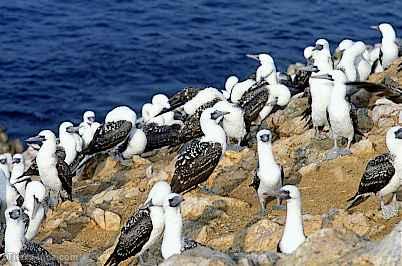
(339, 113)
(87, 127)
(204, 96)
(352, 59)
(268, 178)
(389, 48)
(293, 234)
(142, 229)
(4, 179)
(382, 175)
(54, 173)
(70, 141)
(20, 251)
(198, 158)
(18, 171)
(234, 89)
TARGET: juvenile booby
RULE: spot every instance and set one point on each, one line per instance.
(293, 234)
(160, 136)
(235, 89)
(352, 58)
(183, 96)
(389, 48)
(268, 178)
(198, 158)
(160, 102)
(382, 175)
(20, 251)
(34, 207)
(204, 96)
(87, 127)
(144, 228)
(55, 173)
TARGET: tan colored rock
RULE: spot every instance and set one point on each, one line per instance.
(308, 169)
(324, 247)
(110, 195)
(195, 204)
(106, 220)
(262, 236)
(364, 146)
(224, 242)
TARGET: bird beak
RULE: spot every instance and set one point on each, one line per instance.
(216, 114)
(265, 137)
(35, 140)
(176, 200)
(177, 115)
(253, 56)
(282, 194)
(318, 47)
(309, 68)
(72, 129)
(91, 119)
(398, 134)
(16, 161)
(375, 28)
(324, 76)
(35, 207)
(338, 54)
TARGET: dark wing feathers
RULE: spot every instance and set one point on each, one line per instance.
(192, 127)
(33, 254)
(161, 136)
(195, 164)
(377, 175)
(183, 96)
(66, 177)
(134, 235)
(108, 136)
(256, 180)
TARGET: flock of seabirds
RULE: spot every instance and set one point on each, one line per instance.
(204, 122)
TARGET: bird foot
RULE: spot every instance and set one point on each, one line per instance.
(235, 147)
(337, 152)
(390, 210)
(279, 207)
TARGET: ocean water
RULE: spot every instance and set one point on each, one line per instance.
(60, 58)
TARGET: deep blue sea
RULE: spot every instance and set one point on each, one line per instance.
(61, 57)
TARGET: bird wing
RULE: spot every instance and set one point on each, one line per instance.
(134, 234)
(192, 127)
(195, 164)
(253, 101)
(161, 136)
(389, 89)
(60, 153)
(256, 180)
(66, 177)
(182, 97)
(108, 136)
(377, 175)
(33, 254)
(306, 115)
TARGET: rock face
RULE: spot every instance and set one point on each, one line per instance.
(226, 218)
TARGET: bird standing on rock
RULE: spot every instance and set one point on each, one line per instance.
(268, 178)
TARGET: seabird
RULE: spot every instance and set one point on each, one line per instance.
(34, 207)
(17, 172)
(172, 243)
(342, 46)
(4, 177)
(70, 141)
(339, 113)
(320, 89)
(183, 96)
(204, 96)
(198, 158)
(389, 48)
(293, 233)
(160, 136)
(233, 121)
(87, 127)
(20, 251)
(54, 173)
(160, 102)
(234, 89)
(352, 58)
(268, 178)
(382, 174)
(142, 229)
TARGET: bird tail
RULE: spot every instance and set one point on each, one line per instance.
(111, 261)
(356, 200)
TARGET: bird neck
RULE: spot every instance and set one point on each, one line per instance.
(338, 92)
(294, 219)
(49, 147)
(14, 237)
(213, 132)
(172, 236)
(265, 154)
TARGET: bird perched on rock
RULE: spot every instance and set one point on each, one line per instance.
(389, 49)
(268, 178)
(198, 158)
(382, 175)
(142, 229)
(293, 233)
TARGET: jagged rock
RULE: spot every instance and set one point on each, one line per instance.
(199, 256)
(260, 259)
(262, 236)
(111, 194)
(324, 247)
(196, 204)
(363, 146)
(358, 223)
(105, 219)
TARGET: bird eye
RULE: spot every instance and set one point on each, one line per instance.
(3, 161)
